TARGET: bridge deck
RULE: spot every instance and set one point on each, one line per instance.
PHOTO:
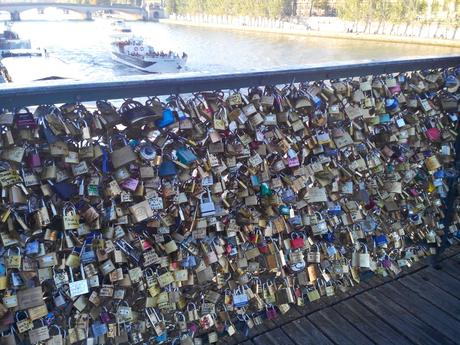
(421, 306)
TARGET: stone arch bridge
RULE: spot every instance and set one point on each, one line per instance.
(15, 9)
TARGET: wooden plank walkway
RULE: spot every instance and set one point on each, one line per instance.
(421, 306)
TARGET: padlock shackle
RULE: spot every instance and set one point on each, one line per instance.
(117, 137)
(18, 313)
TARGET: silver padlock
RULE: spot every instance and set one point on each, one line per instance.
(207, 206)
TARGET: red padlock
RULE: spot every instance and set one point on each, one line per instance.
(252, 238)
(175, 265)
(262, 245)
(297, 241)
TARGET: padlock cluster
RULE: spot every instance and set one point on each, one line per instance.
(186, 219)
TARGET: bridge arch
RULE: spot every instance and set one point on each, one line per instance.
(65, 9)
(15, 9)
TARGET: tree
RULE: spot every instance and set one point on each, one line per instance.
(382, 14)
(318, 4)
(348, 10)
(456, 18)
(171, 6)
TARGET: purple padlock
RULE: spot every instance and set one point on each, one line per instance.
(293, 162)
(33, 159)
(193, 327)
(105, 316)
(271, 312)
(386, 262)
(130, 184)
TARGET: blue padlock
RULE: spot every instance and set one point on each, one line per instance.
(185, 155)
(65, 190)
(255, 180)
(438, 174)
(284, 210)
(32, 247)
(329, 237)
(162, 337)
(296, 220)
(99, 329)
(334, 209)
(391, 104)
(167, 168)
(381, 240)
(316, 101)
(240, 299)
(166, 120)
(384, 118)
(368, 224)
(189, 262)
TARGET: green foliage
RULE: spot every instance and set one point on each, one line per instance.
(253, 8)
(406, 12)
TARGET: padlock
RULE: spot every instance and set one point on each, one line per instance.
(297, 240)
(80, 287)
(70, 217)
(73, 259)
(192, 312)
(364, 258)
(56, 339)
(58, 299)
(25, 323)
(33, 158)
(122, 156)
(39, 334)
(240, 299)
(314, 256)
(207, 206)
(320, 228)
(87, 255)
(271, 312)
(124, 312)
(13, 260)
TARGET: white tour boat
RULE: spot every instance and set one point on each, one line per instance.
(119, 26)
(133, 52)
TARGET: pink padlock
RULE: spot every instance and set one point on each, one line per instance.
(433, 134)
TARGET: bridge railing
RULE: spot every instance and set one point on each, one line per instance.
(13, 96)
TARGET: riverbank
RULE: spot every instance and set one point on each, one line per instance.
(321, 34)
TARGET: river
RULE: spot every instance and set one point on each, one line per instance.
(85, 45)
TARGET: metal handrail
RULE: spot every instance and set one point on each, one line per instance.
(13, 96)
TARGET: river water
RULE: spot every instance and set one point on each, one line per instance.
(85, 46)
